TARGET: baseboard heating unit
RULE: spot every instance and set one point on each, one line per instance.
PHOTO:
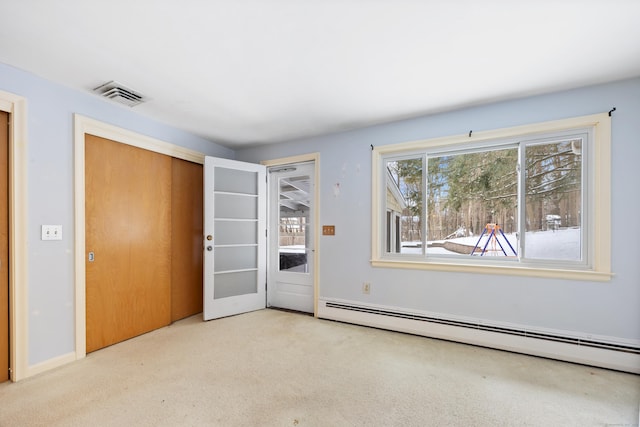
(622, 355)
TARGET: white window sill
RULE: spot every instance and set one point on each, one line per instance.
(515, 270)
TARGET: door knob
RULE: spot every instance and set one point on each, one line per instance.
(209, 248)
(209, 237)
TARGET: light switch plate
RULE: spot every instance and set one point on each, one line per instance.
(52, 232)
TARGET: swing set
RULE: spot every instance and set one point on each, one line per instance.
(494, 231)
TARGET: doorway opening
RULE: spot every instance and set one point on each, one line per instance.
(260, 226)
(291, 247)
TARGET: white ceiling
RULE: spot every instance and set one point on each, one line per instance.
(248, 72)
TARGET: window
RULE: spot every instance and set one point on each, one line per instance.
(518, 201)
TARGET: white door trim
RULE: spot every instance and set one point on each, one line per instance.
(315, 158)
(16, 106)
(82, 126)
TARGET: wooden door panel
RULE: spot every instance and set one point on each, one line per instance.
(186, 240)
(4, 246)
(128, 228)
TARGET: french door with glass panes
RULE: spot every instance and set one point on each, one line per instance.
(235, 237)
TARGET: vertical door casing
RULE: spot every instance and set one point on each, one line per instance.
(4, 246)
(186, 238)
(128, 229)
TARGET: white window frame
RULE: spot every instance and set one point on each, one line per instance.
(596, 191)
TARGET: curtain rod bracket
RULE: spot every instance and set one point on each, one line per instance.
(470, 132)
(611, 111)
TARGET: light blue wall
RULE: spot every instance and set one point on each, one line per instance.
(609, 309)
(50, 110)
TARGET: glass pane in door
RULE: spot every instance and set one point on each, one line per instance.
(294, 210)
(235, 247)
(235, 284)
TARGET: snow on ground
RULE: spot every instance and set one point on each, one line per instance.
(562, 244)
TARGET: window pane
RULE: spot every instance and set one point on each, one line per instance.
(404, 206)
(553, 200)
(472, 203)
(294, 208)
(235, 206)
(235, 284)
(235, 232)
(293, 243)
(229, 258)
(235, 181)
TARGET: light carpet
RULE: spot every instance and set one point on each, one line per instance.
(275, 368)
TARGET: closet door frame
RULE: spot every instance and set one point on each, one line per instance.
(82, 126)
(16, 106)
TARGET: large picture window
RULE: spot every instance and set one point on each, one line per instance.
(527, 200)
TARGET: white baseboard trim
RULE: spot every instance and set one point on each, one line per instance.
(366, 315)
(50, 364)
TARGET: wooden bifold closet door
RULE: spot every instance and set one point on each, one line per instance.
(143, 267)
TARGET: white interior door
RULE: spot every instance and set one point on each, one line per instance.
(291, 237)
(235, 241)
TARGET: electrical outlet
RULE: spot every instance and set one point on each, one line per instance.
(366, 288)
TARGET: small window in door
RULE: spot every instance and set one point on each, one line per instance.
(294, 219)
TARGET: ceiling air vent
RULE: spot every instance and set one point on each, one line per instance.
(119, 93)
